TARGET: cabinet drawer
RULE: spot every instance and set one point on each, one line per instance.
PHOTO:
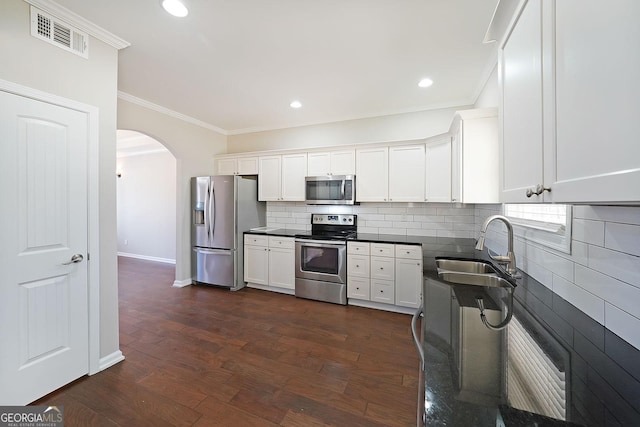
(382, 291)
(409, 251)
(382, 249)
(281, 242)
(256, 240)
(360, 248)
(358, 287)
(382, 268)
(358, 265)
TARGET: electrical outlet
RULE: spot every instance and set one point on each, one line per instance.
(126, 242)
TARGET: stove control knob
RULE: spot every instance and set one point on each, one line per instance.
(350, 219)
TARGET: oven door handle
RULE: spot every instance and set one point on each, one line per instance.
(321, 243)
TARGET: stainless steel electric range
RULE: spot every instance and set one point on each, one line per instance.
(321, 258)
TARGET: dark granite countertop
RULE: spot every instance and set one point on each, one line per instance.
(281, 232)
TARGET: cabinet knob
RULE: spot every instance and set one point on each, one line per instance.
(538, 190)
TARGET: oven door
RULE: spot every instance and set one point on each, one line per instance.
(321, 260)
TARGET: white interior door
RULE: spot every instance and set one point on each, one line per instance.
(43, 227)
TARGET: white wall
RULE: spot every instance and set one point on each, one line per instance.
(399, 127)
(194, 148)
(37, 64)
(147, 206)
(490, 95)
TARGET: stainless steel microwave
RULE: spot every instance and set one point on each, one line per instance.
(330, 190)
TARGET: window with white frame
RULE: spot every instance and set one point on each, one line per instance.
(548, 225)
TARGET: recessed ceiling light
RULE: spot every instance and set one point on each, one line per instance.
(296, 104)
(175, 8)
(425, 82)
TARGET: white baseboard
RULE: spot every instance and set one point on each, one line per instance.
(271, 288)
(147, 258)
(110, 360)
(380, 306)
(182, 283)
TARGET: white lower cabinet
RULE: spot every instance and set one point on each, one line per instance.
(358, 287)
(385, 273)
(382, 291)
(256, 259)
(408, 275)
(269, 261)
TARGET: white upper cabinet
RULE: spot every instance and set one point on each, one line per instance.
(438, 171)
(521, 90)
(294, 170)
(407, 173)
(570, 96)
(372, 174)
(281, 178)
(238, 166)
(227, 166)
(270, 178)
(475, 156)
(597, 101)
(331, 163)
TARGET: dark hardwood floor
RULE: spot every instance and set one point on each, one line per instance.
(206, 356)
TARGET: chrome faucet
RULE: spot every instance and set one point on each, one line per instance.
(509, 259)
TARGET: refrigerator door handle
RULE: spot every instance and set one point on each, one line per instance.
(212, 210)
(213, 251)
(206, 213)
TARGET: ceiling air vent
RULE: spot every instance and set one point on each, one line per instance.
(58, 33)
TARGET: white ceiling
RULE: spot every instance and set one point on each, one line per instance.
(237, 64)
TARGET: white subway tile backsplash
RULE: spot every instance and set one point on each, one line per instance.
(556, 264)
(620, 294)
(538, 272)
(622, 324)
(623, 238)
(588, 231)
(621, 214)
(467, 219)
(398, 231)
(615, 264)
(585, 301)
(579, 253)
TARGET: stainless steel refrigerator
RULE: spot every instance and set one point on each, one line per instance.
(223, 207)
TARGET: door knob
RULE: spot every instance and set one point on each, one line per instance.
(74, 259)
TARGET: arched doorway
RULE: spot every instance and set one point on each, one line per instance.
(146, 198)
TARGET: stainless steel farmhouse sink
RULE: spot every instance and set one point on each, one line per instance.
(470, 272)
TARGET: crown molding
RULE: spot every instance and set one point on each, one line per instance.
(75, 20)
(160, 109)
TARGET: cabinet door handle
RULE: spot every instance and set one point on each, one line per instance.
(538, 190)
